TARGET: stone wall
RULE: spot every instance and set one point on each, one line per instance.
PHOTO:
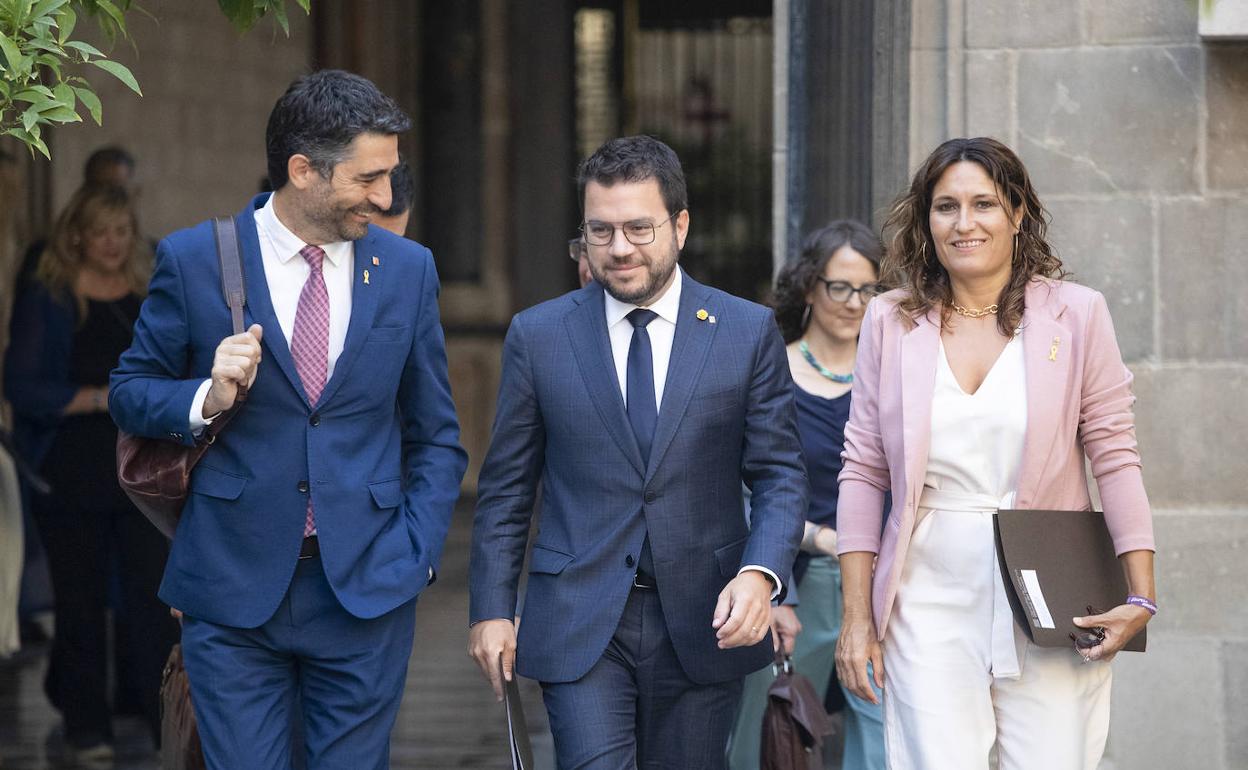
(198, 130)
(1136, 133)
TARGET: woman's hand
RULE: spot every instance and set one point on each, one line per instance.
(784, 628)
(856, 647)
(1120, 624)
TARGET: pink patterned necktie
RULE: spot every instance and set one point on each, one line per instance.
(309, 343)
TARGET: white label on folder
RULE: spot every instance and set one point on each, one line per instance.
(1043, 618)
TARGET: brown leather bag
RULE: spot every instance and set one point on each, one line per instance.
(179, 733)
(156, 473)
(794, 722)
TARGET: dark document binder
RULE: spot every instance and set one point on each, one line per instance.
(517, 730)
(1055, 564)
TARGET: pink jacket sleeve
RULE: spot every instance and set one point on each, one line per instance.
(1107, 428)
(864, 478)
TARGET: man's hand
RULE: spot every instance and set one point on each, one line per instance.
(485, 641)
(235, 363)
(743, 613)
(784, 628)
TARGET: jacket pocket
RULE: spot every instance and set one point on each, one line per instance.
(548, 561)
(729, 557)
(387, 494)
(211, 482)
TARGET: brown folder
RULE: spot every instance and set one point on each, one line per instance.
(517, 730)
(1057, 563)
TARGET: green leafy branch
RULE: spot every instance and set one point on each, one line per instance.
(40, 61)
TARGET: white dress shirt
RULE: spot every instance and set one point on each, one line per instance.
(286, 272)
(662, 331)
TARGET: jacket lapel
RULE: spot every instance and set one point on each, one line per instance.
(1047, 350)
(919, 348)
(690, 347)
(364, 298)
(587, 329)
(259, 307)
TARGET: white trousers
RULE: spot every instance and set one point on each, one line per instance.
(943, 708)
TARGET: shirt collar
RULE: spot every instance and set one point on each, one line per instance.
(286, 244)
(666, 307)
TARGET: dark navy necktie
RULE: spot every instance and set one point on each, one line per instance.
(643, 411)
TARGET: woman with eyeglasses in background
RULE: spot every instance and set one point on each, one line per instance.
(819, 302)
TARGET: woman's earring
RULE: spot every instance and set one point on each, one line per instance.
(805, 317)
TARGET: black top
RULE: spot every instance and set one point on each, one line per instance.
(821, 429)
(81, 466)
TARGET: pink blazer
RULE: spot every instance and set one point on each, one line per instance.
(1078, 402)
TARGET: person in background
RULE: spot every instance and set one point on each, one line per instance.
(982, 383)
(402, 192)
(579, 253)
(68, 330)
(819, 301)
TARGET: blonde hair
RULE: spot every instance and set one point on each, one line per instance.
(62, 260)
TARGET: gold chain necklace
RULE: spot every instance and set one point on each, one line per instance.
(980, 313)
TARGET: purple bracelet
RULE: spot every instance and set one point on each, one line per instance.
(1143, 601)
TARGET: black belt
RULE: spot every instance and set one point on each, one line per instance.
(644, 581)
(311, 547)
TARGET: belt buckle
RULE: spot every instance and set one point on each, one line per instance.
(643, 586)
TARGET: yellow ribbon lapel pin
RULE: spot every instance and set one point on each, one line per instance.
(1053, 349)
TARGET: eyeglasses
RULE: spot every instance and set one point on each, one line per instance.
(638, 233)
(576, 248)
(841, 291)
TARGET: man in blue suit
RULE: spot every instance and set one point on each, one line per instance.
(641, 402)
(320, 511)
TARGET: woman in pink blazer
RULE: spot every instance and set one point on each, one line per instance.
(982, 382)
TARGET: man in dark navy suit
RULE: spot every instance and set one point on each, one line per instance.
(641, 403)
(320, 511)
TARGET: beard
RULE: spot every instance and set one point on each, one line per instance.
(334, 223)
(658, 272)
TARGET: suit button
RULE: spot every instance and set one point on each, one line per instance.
(651, 496)
(303, 486)
(628, 561)
(314, 420)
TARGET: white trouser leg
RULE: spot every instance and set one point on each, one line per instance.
(1055, 715)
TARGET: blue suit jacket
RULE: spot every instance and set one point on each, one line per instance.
(727, 417)
(380, 450)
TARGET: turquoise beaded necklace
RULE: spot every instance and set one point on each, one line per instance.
(826, 372)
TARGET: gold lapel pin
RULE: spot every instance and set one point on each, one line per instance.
(376, 262)
(1053, 350)
(702, 314)
(365, 277)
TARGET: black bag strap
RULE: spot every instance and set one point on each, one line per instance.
(232, 284)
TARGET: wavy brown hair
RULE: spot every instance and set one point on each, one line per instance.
(62, 259)
(911, 262)
(797, 278)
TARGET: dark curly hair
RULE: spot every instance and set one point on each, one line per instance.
(911, 261)
(797, 277)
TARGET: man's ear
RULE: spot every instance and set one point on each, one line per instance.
(300, 171)
(682, 228)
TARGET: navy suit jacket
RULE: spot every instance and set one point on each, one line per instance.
(727, 417)
(379, 452)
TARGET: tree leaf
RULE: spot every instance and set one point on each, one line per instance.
(48, 45)
(114, 13)
(36, 93)
(279, 14)
(11, 53)
(86, 49)
(119, 71)
(63, 94)
(30, 139)
(66, 19)
(306, 5)
(61, 115)
(91, 102)
(47, 8)
(29, 118)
